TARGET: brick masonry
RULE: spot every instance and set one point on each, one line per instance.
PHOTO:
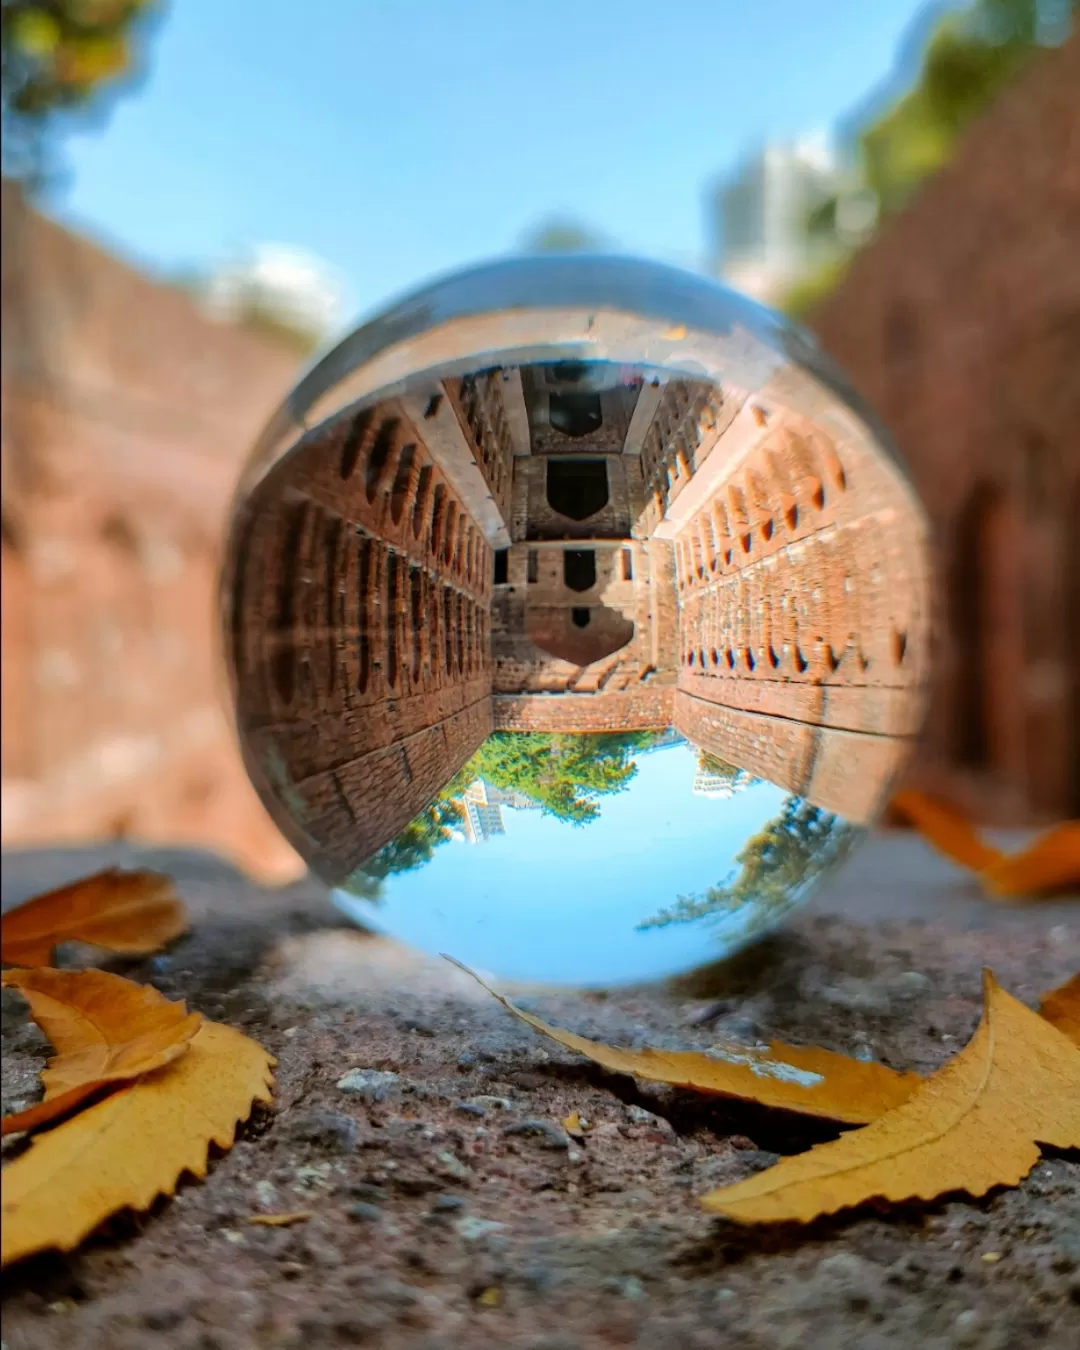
(961, 325)
(126, 415)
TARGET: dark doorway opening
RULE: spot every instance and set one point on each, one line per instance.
(502, 566)
(987, 614)
(576, 415)
(971, 741)
(579, 568)
(577, 488)
(580, 618)
(1072, 631)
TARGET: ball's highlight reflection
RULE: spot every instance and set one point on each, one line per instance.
(577, 620)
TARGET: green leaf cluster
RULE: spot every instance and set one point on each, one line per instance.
(61, 57)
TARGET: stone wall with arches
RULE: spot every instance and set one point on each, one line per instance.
(804, 615)
(363, 591)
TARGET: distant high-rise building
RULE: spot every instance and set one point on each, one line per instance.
(713, 785)
(516, 801)
(712, 780)
(760, 217)
(481, 817)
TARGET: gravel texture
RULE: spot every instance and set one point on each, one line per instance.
(422, 1127)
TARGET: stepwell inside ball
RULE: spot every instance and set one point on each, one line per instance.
(576, 614)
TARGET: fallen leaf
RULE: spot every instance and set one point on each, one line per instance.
(125, 1151)
(973, 1125)
(946, 829)
(134, 912)
(105, 1030)
(810, 1081)
(574, 1125)
(1061, 1007)
(282, 1220)
(1048, 866)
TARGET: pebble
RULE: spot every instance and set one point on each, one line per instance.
(313, 1178)
(320, 1252)
(452, 1165)
(628, 1286)
(365, 1190)
(738, 1029)
(267, 1193)
(857, 995)
(418, 1027)
(332, 1129)
(864, 1053)
(486, 1103)
(697, 1015)
(364, 1212)
(469, 1109)
(471, 1228)
(374, 1085)
(447, 1204)
(639, 1116)
(911, 984)
(546, 1132)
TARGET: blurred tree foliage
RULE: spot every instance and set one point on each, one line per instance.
(969, 58)
(417, 842)
(563, 774)
(723, 769)
(775, 867)
(564, 236)
(63, 58)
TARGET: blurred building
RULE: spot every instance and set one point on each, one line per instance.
(481, 817)
(759, 217)
(960, 323)
(126, 414)
(710, 783)
(562, 548)
(516, 801)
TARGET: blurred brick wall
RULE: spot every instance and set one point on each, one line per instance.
(631, 710)
(126, 415)
(961, 324)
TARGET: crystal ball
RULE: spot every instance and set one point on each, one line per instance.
(576, 619)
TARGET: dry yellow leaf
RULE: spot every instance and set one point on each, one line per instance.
(282, 1220)
(973, 1125)
(1061, 1007)
(946, 829)
(574, 1125)
(810, 1081)
(135, 912)
(1048, 866)
(125, 1151)
(105, 1029)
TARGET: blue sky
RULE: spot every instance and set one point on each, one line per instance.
(550, 901)
(397, 139)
